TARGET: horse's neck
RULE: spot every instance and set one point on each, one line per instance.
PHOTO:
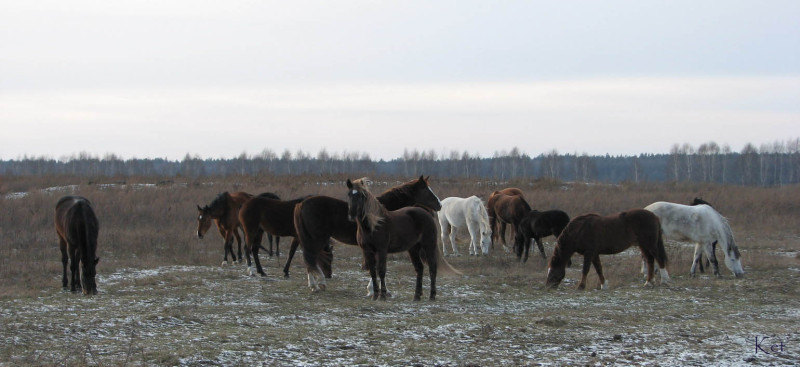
(394, 200)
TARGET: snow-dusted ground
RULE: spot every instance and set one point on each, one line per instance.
(207, 315)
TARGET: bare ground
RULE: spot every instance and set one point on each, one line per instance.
(497, 314)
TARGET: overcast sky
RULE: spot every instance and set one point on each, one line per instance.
(166, 78)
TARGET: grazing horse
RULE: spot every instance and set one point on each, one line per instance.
(262, 214)
(77, 228)
(507, 209)
(224, 210)
(537, 225)
(703, 226)
(381, 232)
(592, 235)
(459, 213)
(490, 211)
(320, 218)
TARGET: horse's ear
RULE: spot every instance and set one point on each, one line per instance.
(349, 184)
(427, 178)
(421, 178)
(199, 208)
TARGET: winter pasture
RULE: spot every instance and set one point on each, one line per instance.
(164, 299)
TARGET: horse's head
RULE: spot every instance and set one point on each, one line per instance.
(203, 221)
(87, 277)
(556, 270)
(699, 201)
(356, 201)
(423, 194)
(486, 239)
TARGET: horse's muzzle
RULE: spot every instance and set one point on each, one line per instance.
(199, 235)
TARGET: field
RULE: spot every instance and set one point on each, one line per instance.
(164, 299)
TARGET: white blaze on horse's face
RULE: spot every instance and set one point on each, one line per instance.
(354, 192)
(434, 195)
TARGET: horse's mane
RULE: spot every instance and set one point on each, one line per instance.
(484, 216)
(218, 206)
(374, 212)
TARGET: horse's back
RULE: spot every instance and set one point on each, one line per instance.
(686, 222)
(75, 218)
(324, 216)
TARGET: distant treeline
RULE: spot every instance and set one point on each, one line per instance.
(768, 165)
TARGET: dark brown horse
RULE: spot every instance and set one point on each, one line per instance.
(537, 225)
(262, 214)
(506, 209)
(224, 210)
(77, 228)
(501, 232)
(592, 235)
(381, 232)
(319, 218)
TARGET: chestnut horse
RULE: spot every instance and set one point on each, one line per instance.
(511, 191)
(319, 218)
(77, 228)
(224, 210)
(537, 225)
(506, 209)
(592, 235)
(262, 214)
(381, 232)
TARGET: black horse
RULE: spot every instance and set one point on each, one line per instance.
(537, 225)
(77, 228)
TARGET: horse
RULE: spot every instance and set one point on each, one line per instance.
(537, 225)
(263, 214)
(77, 228)
(320, 218)
(224, 210)
(468, 212)
(380, 231)
(507, 209)
(592, 235)
(703, 226)
(490, 211)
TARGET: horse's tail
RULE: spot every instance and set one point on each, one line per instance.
(442, 266)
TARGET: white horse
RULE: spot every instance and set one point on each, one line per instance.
(703, 226)
(470, 212)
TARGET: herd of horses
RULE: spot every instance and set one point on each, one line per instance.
(406, 218)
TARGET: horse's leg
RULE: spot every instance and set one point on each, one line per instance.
(527, 245)
(269, 240)
(430, 254)
(474, 237)
(493, 226)
(445, 226)
(587, 264)
(64, 260)
(599, 269)
(369, 260)
(73, 267)
(698, 257)
(709, 249)
(382, 272)
(277, 246)
(228, 248)
(541, 247)
(292, 250)
(453, 231)
(256, 245)
(239, 243)
(650, 270)
(414, 254)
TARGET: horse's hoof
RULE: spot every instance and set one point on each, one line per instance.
(322, 287)
(251, 272)
(224, 264)
(648, 285)
(374, 297)
(417, 298)
(604, 285)
(286, 275)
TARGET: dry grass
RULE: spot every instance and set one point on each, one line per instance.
(497, 314)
